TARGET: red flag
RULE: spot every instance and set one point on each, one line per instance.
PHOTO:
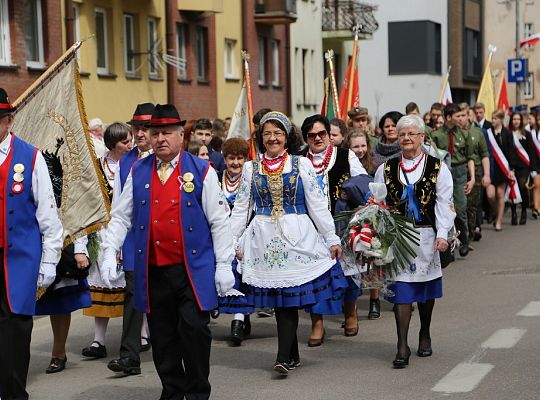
(344, 95)
(502, 100)
(530, 40)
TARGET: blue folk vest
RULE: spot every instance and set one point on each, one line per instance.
(22, 237)
(128, 248)
(198, 249)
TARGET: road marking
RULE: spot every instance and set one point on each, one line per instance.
(464, 378)
(504, 339)
(530, 310)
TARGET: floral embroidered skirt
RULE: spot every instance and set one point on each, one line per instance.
(331, 284)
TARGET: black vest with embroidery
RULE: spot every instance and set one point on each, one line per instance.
(425, 189)
(339, 173)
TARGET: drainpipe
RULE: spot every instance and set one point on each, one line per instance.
(70, 35)
(170, 10)
(288, 104)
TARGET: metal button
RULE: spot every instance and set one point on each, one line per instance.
(156, 201)
(174, 242)
(155, 221)
(143, 202)
(193, 251)
(157, 242)
(141, 227)
(172, 221)
(139, 251)
(190, 229)
(189, 203)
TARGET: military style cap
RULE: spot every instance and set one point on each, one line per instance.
(357, 112)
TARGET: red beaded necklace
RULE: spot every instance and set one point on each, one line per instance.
(414, 167)
(321, 167)
(269, 165)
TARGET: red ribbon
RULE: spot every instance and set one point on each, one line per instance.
(145, 117)
(170, 121)
(5, 105)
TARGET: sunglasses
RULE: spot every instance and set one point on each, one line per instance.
(313, 135)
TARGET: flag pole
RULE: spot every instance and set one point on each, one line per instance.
(356, 30)
(252, 148)
(329, 56)
(445, 82)
(498, 96)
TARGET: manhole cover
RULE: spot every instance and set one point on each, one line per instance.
(525, 270)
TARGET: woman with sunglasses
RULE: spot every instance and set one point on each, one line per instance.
(333, 166)
(288, 259)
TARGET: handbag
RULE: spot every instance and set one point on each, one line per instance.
(67, 266)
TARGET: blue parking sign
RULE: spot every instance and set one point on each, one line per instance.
(517, 70)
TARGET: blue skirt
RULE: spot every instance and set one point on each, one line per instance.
(334, 305)
(65, 300)
(322, 288)
(415, 292)
(235, 304)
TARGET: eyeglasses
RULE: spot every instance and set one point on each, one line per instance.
(412, 135)
(313, 135)
(276, 134)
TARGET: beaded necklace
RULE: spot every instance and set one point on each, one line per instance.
(269, 166)
(322, 166)
(413, 168)
(230, 185)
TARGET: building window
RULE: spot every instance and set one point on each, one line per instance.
(472, 61)
(33, 34)
(152, 46)
(230, 66)
(202, 51)
(528, 30)
(181, 45)
(262, 61)
(275, 62)
(5, 45)
(414, 47)
(129, 44)
(101, 41)
(528, 86)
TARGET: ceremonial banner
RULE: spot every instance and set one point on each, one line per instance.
(327, 108)
(51, 116)
(344, 104)
(447, 95)
(502, 97)
(240, 119)
(486, 94)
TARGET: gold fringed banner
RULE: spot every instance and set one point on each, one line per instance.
(51, 111)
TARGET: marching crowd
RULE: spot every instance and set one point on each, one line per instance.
(198, 230)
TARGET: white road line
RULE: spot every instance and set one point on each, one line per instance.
(530, 310)
(464, 378)
(504, 339)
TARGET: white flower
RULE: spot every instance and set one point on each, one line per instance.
(375, 243)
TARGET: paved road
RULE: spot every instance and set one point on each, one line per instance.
(485, 338)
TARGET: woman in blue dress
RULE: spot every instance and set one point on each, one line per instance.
(288, 252)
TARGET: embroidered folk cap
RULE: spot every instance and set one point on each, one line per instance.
(277, 116)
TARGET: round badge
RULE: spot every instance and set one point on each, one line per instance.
(17, 188)
(18, 177)
(18, 168)
(188, 187)
(188, 177)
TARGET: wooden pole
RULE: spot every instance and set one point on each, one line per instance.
(329, 55)
(445, 82)
(247, 80)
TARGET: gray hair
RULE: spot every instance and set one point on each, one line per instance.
(411, 121)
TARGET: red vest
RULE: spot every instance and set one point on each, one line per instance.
(4, 171)
(165, 225)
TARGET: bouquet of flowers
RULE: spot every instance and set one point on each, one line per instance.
(378, 243)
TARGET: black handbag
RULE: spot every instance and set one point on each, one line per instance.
(67, 266)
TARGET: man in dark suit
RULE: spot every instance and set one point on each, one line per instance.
(480, 112)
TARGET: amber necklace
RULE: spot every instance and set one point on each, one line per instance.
(230, 185)
(323, 165)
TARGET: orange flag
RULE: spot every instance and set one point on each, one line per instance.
(344, 104)
(502, 98)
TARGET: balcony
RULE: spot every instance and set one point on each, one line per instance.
(201, 6)
(339, 17)
(275, 11)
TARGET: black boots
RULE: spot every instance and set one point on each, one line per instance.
(523, 218)
(514, 214)
(240, 330)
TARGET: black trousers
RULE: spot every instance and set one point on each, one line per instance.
(130, 345)
(179, 335)
(15, 335)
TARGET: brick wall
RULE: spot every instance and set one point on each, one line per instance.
(17, 78)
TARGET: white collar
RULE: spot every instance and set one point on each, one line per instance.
(6, 145)
(320, 155)
(413, 160)
(174, 161)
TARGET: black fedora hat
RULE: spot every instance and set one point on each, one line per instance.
(5, 105)
(142, 114)
(165, 114)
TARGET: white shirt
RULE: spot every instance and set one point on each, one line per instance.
(214, 206)
(46, 211)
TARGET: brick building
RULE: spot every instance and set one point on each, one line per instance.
(30, 41)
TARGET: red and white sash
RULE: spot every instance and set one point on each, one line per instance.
(521, 152)
(536, 142)
(512, 190)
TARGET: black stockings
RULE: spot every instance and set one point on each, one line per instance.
(425, 310)
(287, 325)
(402, 313)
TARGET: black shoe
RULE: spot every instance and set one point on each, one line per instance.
(247, 326)
(237, 332)
(125, 365)
(477, 234)
(145, 346)
(214, 313)
(92, 351)
(265, 312)
(523, 218)
(281, 368)
(56, 365)
(424, 352)
(464, 250)
(401, 361)
(513, 220)
(374, 309)
(293, 364)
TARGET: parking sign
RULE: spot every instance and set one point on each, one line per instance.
(517, 70)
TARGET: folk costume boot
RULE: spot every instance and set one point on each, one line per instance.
(514, 219)
(237, 332)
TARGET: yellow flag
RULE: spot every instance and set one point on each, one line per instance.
(486, 95)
